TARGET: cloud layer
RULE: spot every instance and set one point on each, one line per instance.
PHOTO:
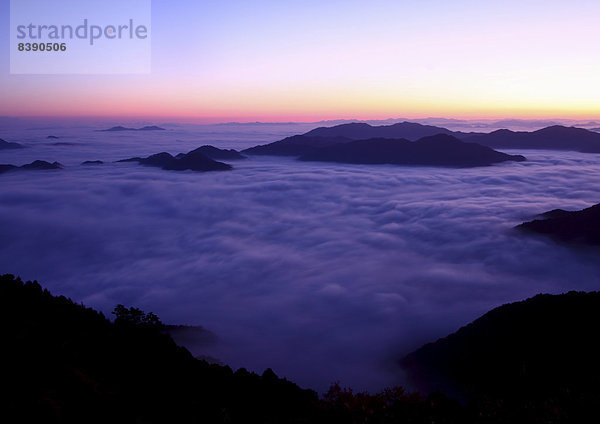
(323, 272)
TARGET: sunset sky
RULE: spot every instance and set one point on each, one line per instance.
(226, 60)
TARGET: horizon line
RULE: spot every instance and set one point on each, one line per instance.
(207, 121)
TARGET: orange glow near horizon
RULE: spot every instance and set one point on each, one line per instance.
(213, 99)
(134, 109)
(459, 59)
(128, 98)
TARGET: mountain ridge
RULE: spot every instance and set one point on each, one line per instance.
(574, 227)
(194, 161)
(437, 150)
(122, 128)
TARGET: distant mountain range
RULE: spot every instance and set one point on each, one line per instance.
(193, 160)
(35, 165)
(6, 145)
(581, 227)
(345, 144)
(296, 145)
(200, 159)
(361, 131)
(555, 137)
(437, 150)
(216, 153)
(146, 128)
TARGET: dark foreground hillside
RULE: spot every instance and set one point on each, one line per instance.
(65, 363)
(62, 362)
(536, 360)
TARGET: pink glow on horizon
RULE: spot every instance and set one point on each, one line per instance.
(460, 59)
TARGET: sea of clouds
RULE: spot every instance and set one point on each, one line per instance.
(323, 272)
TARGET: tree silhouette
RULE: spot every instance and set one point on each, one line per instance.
(134, 317)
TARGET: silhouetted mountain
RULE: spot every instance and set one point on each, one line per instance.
(538, 353)
(118, 128)
(527, 362)
(65, 363)
(553, 136)
(217, 154)
(42, 164)
(581, 227)
(52, 137)
(361, 131)
(539, 123)
(151, 128)
(296, 145)
(595, 129)
(121, 128)
(92, 162)
(35, 165)
(194, 161)
(556, 137)
(438, 150)
(5, 145)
